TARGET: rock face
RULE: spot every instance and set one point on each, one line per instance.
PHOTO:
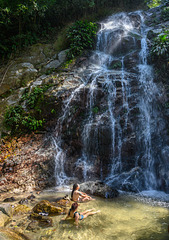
(109, 123)
(98, 188)
(110, 127)
(17, 76)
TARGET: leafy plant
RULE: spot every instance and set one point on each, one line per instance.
(160, 46)
(95, 110)
(19, 120)
(153, 3)
(81, 36)
(165, 14)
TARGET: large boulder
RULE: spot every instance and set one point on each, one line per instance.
(47, 207)
(53, 64)
(17, 75)
(98, 188)
(21, 209)
(62, 56)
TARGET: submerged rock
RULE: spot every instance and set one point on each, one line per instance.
(31, 197)
(8, 234)
(4, 219)
(6, 213)
(43, 220)
(6, 209)
(11, 199)
(23, 201)
(21, 209)
(98, 188)
(64, 202)
(47, 207)
(33, 226)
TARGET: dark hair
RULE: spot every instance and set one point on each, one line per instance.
(73, 207)
(74, 188)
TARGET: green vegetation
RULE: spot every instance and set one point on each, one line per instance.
(19, 119)
(95, 110)
(160, 46)
(81, 36)
(24, 22)
(153, 3)
(160, 43)
(165, 14)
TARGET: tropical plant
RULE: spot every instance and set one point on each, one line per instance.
(160, 46)
(81, 36)
(19, 119)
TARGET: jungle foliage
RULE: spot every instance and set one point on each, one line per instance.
(81, 36)
(27, 115)
(160, 43)
(23, 22)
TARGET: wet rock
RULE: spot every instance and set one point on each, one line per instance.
(46, 206)
(23, 201)
(11, 199)
(33, 226)
(31, 197)
(21, 209)
(6, 209)
(4, 219)
(43, 220)
(130, 181)
(64, 202)
(8, 234)
(135, 19)
(46, 222)
(98, 188)
(131, 62)
(116, 64)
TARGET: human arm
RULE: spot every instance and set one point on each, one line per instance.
(66, 217)
(76, 219)
(82, 194)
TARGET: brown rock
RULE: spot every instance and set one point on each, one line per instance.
(47, 207)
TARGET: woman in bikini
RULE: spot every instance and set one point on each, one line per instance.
(78, 196)
(78, 216)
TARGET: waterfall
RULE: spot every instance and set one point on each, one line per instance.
(119, 127)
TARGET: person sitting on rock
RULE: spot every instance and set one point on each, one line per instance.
(78, 216)
(78, 196)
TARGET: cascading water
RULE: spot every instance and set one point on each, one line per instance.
(116, 124)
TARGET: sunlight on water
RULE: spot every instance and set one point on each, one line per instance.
(122, 218)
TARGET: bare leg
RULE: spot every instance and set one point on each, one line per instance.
(85, 199)
(90, 213)
(87, 211)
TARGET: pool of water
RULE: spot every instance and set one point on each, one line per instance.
(126, 217)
